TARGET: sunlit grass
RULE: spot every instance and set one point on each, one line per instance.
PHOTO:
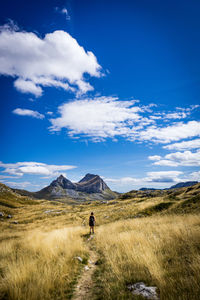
(41, 265)
(37, 253)
(162, 251)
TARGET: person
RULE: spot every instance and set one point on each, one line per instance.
(91, 222)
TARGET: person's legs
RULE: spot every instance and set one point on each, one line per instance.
(92, 229)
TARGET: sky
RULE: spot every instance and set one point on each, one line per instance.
(102, 87)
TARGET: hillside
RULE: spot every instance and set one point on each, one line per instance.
(183, 184)
(145, 233)
(11, 199)
(128, 205)
(180, 200)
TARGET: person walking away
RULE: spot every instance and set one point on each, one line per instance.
(92, 222)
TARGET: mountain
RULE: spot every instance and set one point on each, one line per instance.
(90, 187)
(92, 184)
(183, 184)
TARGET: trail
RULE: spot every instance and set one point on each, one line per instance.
(85, 283)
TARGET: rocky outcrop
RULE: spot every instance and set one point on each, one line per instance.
(140, 289)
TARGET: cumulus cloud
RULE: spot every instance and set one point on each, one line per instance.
(56, 60)
(170, 133)
(100, 118)
(103, 117)
(28, 86)
(34, 168)
(186, 158)
(28, 112)
(163, 176)
(193, 144)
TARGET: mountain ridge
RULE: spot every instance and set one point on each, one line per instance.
(178, 185)
(90, 187)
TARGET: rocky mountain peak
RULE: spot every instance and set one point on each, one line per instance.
(63, 182)
(88, 177)
(62, 186)
(92, 184)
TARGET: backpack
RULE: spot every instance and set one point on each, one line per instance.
(91, 221)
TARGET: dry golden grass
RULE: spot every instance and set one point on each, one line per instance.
(41, 265)
(162, 250)
(37, 254)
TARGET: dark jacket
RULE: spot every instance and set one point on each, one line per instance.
(91, 221)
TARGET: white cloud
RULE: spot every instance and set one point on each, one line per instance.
(188, 109)
(186, 158)
(28, 112)
(180, 113)
(166, 163)
(155, 157)
(56, 60)
(50, 113)
(34, 168)
(160, 177)
(123, 180)
(28, 86)
(100, 118)
(195, 176)
(20, 185)
(163, 176)
(64, 11)
(175, 132)
(194, 144)
(176, 115)
(108, 117)
(4, 176)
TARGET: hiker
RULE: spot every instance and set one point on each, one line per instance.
(91, 222)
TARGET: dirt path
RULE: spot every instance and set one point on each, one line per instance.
(85, 283)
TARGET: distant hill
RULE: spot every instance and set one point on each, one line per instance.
(183, 184)
(147, 189)
(176, 200)
(178, 185)
(11, 199)
(90, 187)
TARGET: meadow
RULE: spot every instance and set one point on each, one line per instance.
(162, 251)
(136, 239)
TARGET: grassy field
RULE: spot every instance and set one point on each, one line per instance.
(163, 251)
(41, 265)
(139, 237)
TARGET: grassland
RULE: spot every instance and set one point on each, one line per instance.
(142, 236)
(162, 251)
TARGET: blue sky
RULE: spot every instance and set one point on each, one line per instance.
(104, 87)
